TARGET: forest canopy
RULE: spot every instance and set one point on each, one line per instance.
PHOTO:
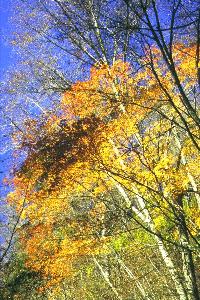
(106, 197)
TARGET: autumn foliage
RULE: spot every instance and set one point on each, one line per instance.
(122, 133)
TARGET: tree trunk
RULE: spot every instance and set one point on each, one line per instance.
(132, 276)
(144, 216)
(106, 278)
(187, 257)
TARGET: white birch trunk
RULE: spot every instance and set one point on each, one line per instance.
(145, 217)
(132, 276)
(106, 278)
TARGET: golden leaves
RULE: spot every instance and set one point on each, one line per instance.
(113, 132)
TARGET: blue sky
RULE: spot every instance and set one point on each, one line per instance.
(6, 53)
(7, 58)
